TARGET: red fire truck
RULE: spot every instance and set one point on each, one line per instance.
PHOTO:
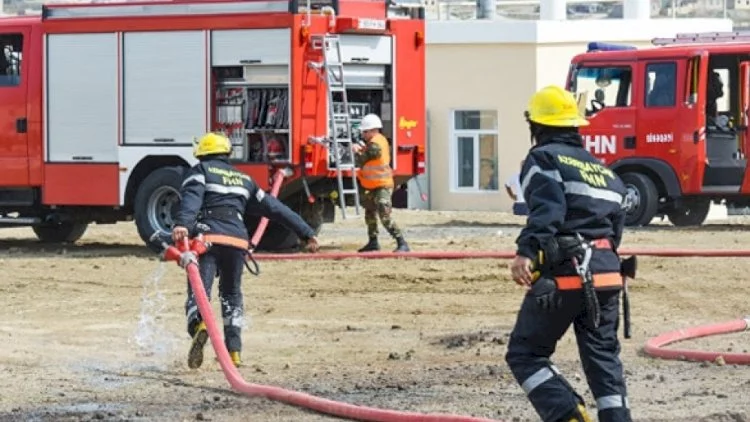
(671, 120)
(102, 102)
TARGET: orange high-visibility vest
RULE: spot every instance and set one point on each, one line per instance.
(377, 173)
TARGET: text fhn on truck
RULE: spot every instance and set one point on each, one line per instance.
(101, 104)
(671, 120)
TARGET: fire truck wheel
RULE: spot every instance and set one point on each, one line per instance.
(642, 199)
(690, 212)
(60, 233)
(156, 202)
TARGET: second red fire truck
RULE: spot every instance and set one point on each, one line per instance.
(101, 103)
(672, 121)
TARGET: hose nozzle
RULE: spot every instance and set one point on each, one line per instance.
(184, 253)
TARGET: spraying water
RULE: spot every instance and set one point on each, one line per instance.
(151, 336)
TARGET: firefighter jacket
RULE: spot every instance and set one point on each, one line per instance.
(568, 191)
(376, 168)
(218, 195)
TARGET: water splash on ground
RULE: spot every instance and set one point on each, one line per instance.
(151, 336)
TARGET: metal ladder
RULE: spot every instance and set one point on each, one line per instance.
(339, 120)
(704, 37)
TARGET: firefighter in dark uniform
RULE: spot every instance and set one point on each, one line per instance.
(567, 258)
(217, 195)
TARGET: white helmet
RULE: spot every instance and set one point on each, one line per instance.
(370, 121)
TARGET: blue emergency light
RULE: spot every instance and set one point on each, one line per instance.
(603, 46)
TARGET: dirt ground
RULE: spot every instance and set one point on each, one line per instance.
(95, 331)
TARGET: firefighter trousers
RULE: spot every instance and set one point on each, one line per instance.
(229, 263)
(533, 341)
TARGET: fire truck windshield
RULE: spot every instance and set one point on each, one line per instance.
(601, 86)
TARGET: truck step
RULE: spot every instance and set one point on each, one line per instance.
(727, 163)
(12, 197)
(21, 221)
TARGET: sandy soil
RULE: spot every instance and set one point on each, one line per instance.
(95, 331)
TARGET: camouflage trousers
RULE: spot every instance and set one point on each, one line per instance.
(377, 204)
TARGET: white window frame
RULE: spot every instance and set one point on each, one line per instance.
(453, 155)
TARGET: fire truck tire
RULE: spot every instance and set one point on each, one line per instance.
(644, 197)
(66, 232)
(156, 201)
(690, 212)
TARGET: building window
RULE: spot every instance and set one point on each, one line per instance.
(11, 55)
(661, 84)
(474, 165)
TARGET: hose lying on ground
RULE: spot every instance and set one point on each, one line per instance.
(654, 346)
(709, 253)
(308, 401)
(362, 413)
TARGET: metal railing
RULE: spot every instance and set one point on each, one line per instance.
(597, 9)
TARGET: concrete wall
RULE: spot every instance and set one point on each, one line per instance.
(498, 65)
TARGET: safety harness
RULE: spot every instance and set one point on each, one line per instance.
(593, 310)
(578, 251)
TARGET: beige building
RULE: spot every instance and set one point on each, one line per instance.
(480, 75)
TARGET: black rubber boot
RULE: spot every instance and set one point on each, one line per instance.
(371, 246)
(401, 245)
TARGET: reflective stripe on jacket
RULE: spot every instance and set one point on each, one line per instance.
(377, 172)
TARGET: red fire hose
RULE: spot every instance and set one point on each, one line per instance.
(186, 255)
(278, 177)
(295, 398)
(710, 253)
(654, 346)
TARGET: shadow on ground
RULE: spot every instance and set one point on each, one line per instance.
(21, 248)
(466, 223)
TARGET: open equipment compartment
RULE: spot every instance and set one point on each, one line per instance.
(368, 69)
(251, 92)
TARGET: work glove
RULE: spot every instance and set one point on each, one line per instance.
(628, 266)
(561, 248)
(544, 290)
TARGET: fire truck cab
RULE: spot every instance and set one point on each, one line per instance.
(101, 104)
(671, 120)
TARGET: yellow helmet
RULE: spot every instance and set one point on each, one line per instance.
(211, 143)
(554, 106)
